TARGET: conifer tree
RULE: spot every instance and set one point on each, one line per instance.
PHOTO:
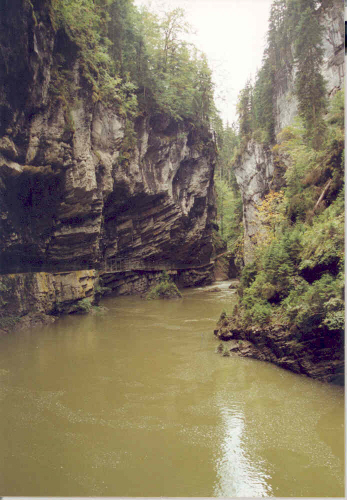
(309, 83)
(244, 110)
(263, 111)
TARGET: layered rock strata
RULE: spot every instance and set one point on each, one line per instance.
(318, 356)
(139, 281)
(37, 295)
(72, 197)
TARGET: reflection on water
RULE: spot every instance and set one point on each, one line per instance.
(137, 403)
(238, 475)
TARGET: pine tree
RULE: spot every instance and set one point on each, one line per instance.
(263, 93)
(244, 110)
(278, 46)
(309, 83)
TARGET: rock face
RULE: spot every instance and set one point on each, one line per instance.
(286, 106)
(254, 171)
(320, 357)
(253, 174)
(69, 198)
(40, 294)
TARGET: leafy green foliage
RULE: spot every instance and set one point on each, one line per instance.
(165, 289)
(229, 201)
(318, 305)
(249, 273)
(229, 211)
(263, 112)
(323, 242)
(82, 29)
(175, 77)
(295, 36)
(83, 306)
(310, 86)
(245, 111)
(273, 284)
(297, 276)
(271, 216)
(134, 59)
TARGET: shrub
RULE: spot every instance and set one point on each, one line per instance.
(260, 313)
(318, 305)
(297, 276)
(165, 289)
(8, 322)
(248, 274)
(83, 306)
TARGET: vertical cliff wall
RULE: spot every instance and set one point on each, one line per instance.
(70, 197)
(255, 169)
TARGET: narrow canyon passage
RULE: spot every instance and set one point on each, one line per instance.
(136, 402)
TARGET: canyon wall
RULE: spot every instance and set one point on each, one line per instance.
(72, 198)
(255, 171)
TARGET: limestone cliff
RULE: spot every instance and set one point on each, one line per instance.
(69, 198)
(255, 172)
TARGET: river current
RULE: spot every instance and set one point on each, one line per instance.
(137, 402)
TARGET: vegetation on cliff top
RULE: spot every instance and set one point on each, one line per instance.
(136, 59)
(294, 37)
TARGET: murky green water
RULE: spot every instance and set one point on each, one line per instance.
(137, 403)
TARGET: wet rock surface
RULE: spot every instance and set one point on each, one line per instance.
(319, 355)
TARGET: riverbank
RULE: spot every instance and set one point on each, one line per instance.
(35, 299)
(30, 300)
(93, 404)
(314, 354)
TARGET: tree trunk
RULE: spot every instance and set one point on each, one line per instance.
(322, 195)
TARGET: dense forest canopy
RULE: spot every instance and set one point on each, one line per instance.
(137, 58)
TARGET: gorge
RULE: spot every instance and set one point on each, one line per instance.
(99, 194)
(75, 201)
(116, 174)
(291, 278)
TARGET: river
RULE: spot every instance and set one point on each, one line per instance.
(137, 402)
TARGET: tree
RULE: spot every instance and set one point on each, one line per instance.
(263, 110)
(228, 142)
(172, 26)
(309, 83)
(244, 110)
(229, 210)
(175, 76)
(278, 42)
(203, 103)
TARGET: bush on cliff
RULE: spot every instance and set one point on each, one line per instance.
(297, 277)
(165, 289)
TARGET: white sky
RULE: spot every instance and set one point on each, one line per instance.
(232, 34)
